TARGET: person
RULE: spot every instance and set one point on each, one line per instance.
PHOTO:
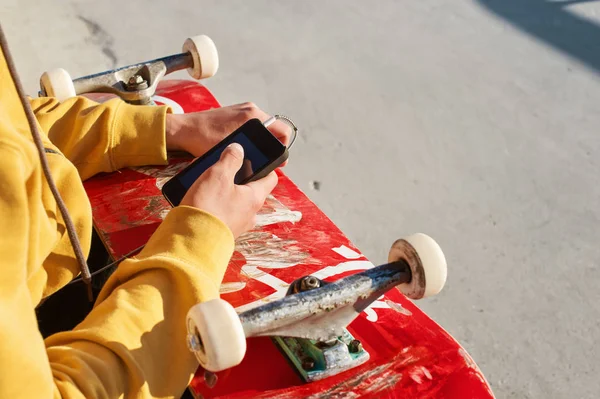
(133, 342)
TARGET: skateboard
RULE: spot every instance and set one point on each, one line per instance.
(302, 312)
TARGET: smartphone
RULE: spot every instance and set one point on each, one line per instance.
(263, 152)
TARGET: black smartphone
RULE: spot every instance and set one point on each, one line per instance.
(263, 152)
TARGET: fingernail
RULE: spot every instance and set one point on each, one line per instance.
(237, 148)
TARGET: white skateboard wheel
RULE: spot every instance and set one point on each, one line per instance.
(216, 335)
(205, 56)
(58, 83)
(433, 262)
(427, 262)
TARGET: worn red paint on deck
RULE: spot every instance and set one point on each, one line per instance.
(411, 356)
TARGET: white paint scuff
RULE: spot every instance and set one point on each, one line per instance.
(347, 252)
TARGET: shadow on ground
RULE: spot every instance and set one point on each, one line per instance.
(552, 22)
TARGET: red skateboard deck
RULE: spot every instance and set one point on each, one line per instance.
(410, 355)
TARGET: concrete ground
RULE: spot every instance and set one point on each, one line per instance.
(476, 122)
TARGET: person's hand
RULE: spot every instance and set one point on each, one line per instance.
(236, 205)
(198, 132)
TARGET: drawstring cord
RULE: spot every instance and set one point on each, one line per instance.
(83, 267)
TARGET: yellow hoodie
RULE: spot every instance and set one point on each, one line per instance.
(132, 344)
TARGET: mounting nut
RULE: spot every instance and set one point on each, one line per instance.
(355, 346)
(304, 284)
(136, 82)
(309, 283)
(308, 363)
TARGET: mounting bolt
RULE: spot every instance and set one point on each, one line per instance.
(308, 363)
(136, 82)
(355, 346)
(309, 283)
(210, 379)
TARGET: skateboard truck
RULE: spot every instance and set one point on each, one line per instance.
(315, 313)
(315, 360)
(136, 84)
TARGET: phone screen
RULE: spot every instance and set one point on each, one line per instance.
(263, 152)
(254, 160)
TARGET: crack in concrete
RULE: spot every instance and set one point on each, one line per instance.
(101, 38)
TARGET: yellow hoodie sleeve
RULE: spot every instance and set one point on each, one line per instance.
(104, 137)
(132, 344)
(134, 340)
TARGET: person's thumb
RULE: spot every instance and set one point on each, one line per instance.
(231, 159)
